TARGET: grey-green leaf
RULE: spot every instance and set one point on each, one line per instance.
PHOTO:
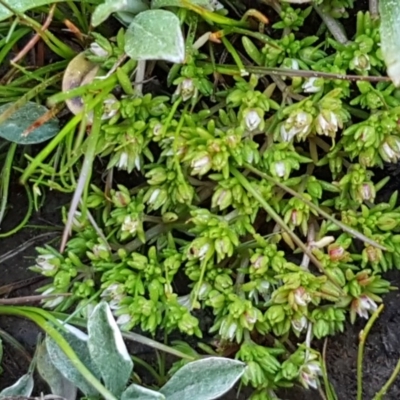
(24, 5)
(107, 349)
(22, 388)
(155, 35)
(136, 392)
(390, 37)
(179, 3)
(59, 385)
(103, 11)
(204, 379)
(78, 341)
(14, 127)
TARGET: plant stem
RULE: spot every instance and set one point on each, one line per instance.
(247, 185)
(360, 355)
(341, 225)
(26, 218)
(390, 381)
(84, 175)
(334, 27)
(139, 76)
(5, 179)
(373, 8)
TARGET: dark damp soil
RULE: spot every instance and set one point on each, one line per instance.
(381, 352)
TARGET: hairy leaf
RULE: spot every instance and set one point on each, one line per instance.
(103, 11)
(22, 388)
(205, 379)
(78, 341)
(155, 35)
(136, 392)
(107, 349)
(390, 37)
(59, 385)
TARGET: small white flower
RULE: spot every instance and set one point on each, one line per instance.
(137, 162)
(252, 120)
(123, 321)
(130, 225)
(113, 290)
(97, 50)
(110, 108)
(301, 297)
(201, 165)
(280, 169)
(45, 264)
(185, 301)
(363, 305)
(186, 89)
(123, 161)
(154, 196)
(300, 324)
(53, 302)
(203, 251)
(325, 241)
(366, 192)
(309, 373)
(327, 123)
(361, 63)
(311, 86)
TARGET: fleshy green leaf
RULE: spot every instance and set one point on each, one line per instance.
(59, 385)
(103, 11)
(13, 128)
(78, 341)
(155, 35)
(136, 392)
(24, 5)
(179, 3)
(204, 379)
(390, 37)
(22, 388)
(107, 349)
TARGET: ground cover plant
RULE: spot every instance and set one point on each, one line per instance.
(220, 160)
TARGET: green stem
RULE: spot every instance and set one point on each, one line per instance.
(85, 174)
(247, 185)
(62, 343)
(235, 56)
(26, 218)
(56, 141)
(360, 355)
(341, 225)
(28, 96)
(5, 179)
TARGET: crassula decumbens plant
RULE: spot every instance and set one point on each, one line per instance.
(260, 194)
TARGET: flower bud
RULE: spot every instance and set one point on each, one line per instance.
(252, 119)
(98, 51)
(327, 123)
(130, 225)
(186, 89)
(301, 297)
(201, 165)
(390, 149)
(312, 85)
(363, 305)
(47, 264)
(123, 160)
(299, 324)
(361, 63)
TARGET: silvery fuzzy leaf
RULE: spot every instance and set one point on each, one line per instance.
(22, 388)
(78, 342)
(204, 379)
(155, 35)
(136, 392)
(390, 37)
(107, 349)
(59, 385)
